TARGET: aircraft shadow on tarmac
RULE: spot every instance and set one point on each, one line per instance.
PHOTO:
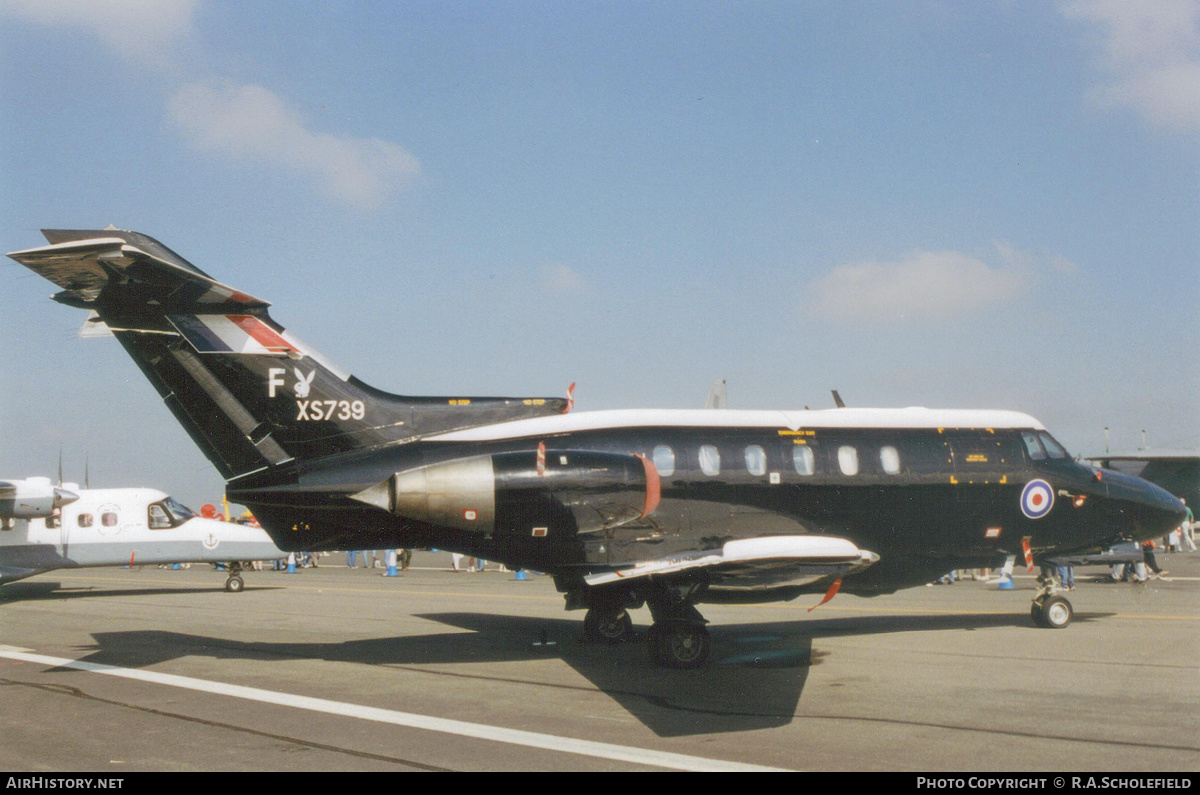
(755, 680)
(26, 591)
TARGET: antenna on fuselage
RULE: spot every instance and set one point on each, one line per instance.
(717, 396)
(837, 399)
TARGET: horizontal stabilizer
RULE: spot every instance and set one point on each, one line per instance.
(83, 263)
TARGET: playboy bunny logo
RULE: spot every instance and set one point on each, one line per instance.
(303, 384)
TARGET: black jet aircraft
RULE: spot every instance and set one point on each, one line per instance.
(660, 508)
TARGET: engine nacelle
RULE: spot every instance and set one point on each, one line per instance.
(32, 498)
(524, 493)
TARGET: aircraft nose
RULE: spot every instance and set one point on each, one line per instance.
(1153, 510)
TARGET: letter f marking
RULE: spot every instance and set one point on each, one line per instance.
(274, 379)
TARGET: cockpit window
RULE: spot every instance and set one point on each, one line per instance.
(1033, 446)
(168, 513)
(159, 518)
(181, 512)
(1053, 448)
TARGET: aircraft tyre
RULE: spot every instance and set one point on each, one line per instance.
(234, 584)
(607, 626)
(1056, 612)
(1052, 612)
(679, 644)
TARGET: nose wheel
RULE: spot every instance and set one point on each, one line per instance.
(1052, 612)
(1050, 608)
(234, 583)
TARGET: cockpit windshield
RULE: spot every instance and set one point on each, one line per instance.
(168, 513)
(178, 510)
(1053, 448)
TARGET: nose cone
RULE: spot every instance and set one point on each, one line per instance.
(1151, 510)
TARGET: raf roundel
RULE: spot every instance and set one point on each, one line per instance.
(1037, 499)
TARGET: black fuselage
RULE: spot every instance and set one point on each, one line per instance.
(926, 500)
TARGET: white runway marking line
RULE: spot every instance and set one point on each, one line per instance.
(481, 731)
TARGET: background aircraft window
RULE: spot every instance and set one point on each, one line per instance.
(803, 459)
(756, 460)
(159, 520)
(108, 519)
(1033, 446)
(664, 460)
(179, 512)
(1053, 448)
(889, 459)
(710, 460)
(85, 520)
(848, 460)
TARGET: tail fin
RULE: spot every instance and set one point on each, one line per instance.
(250, 394)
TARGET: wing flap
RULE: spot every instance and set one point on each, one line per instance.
(755, 563)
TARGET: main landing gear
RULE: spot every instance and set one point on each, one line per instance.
(1050, 609)
(678, 637)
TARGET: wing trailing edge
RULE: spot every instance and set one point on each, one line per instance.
(756, 563)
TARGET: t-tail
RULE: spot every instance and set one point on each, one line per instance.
(251, 394)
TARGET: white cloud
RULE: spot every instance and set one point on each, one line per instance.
(140, 29)
(1152, 50)
(923, 285)
(251, 123)
(563, 279)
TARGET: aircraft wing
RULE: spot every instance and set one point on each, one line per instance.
(13, 573)
(1150, 455)
(84, 262)
(756, 563)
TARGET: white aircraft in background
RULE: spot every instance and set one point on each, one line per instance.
(44, 527)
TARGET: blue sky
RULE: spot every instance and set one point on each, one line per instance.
(947, 204)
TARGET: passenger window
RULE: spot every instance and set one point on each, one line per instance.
(664, 460)
(710, 460)
(108, 519)
(158, 518)
(889, 459)
(756, 460)
(1053, 448)
(804, 460)
(1033, 446)
(848, 460)
(85, 520)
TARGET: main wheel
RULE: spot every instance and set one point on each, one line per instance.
(680, 644)
(606, 626)
(1056, 612)
(234, 584)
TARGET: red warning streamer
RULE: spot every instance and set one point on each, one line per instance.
(832, 592)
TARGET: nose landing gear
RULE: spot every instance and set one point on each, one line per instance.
(1050, 609)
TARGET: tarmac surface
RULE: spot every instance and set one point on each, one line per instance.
(122, 670)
